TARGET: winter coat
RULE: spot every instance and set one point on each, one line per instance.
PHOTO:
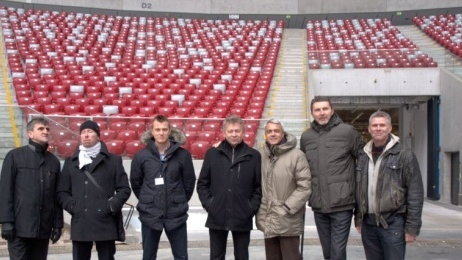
(95, 215)
(286, 186)
(163, 205)
(331, 151)
(28, 191)
(229, 186)
(399, 187)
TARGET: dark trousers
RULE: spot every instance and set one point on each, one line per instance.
(282, 248)
(28, 248)
(218, 240)
(384, 244)
(81, 250)
(178, 239)
(333, 230)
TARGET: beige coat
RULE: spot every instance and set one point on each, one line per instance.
(286, 186)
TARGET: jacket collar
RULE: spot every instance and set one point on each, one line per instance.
(334, 121)
(38, 148)
(392, 146)
(104, 153)
(277, 150)
(151, 146)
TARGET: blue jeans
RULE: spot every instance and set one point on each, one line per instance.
(178, 239)
(384, 244)
(333, 230)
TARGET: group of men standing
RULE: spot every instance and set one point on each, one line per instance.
(379, 183)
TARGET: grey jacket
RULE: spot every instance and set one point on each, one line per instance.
(286, 186)
(331, 151)
(399, 188)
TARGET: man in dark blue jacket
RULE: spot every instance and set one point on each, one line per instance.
(163, 179)
(229, 189)
(29, 212)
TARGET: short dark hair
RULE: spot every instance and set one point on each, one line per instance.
(36, 120)
(161, 119)
(320, 99)
(233, 119)
(380, 113)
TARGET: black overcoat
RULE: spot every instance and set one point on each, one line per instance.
(94, 217)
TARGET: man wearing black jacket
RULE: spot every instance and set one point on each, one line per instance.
(389, 193)
(163, 179)
(29, 212)
(229, 189)
(93, 189)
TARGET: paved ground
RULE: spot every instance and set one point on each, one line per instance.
(440, 238)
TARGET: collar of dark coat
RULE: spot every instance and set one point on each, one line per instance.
(395, 149)
(38, 148)
(151, 146)
(104, 153)
(334, 121)
(240, 151)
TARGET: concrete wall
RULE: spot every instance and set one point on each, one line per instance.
(375, 82)
(256, 7)
(450, 128)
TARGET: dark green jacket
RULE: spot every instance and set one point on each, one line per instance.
(331, 151)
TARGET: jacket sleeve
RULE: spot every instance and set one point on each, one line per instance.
(189, 176)
(302, 192)
(203, 183)
(255, 199)
(64, 190)
(7, 179)
(136, 176)
(122, 188)
(357, 144)
(414, 196)
(59, 219)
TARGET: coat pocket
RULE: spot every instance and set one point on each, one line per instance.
(341, 191)
(315, 199)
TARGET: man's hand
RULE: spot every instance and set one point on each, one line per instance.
(358, 228)
(409, 238)
(8, 231)
(55, 235)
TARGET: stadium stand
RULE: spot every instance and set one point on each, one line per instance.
(446, 29)
(361, 43)
(130, 68)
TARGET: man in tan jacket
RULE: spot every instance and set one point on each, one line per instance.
(286, 187)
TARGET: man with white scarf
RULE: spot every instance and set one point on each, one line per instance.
(93, 189)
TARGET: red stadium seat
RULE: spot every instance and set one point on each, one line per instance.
(132, 147)
(116, 146)
(66, 148)
(199, 148)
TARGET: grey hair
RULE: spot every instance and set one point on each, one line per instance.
(276, 122)
(233, 119)
(37, 120)
(380, 113)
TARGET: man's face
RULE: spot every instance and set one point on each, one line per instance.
(322, 112)
(233, 133)
(379, 128)
(273, 133)
(161, 132)
(88, 138)
(39, 134)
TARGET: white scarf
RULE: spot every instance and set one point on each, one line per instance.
(86, 153)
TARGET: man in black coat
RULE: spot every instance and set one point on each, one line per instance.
(29, 212)
(93, 188)
(163, 179)
(229, 189)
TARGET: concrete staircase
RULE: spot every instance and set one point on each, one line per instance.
(444, 57)
(287, 97)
